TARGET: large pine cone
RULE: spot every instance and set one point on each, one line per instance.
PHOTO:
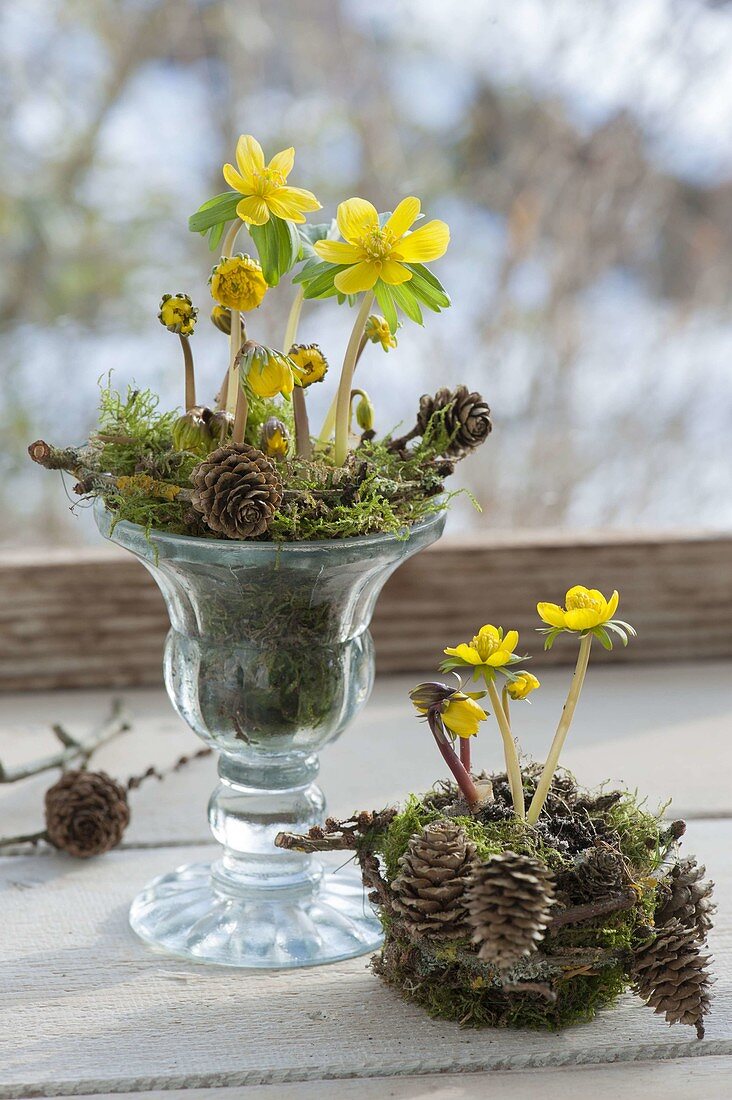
(86, 813)
(429, 890)
(509, 899)
(467, 418)
(671, 976)
(236, 490)
(687, 896)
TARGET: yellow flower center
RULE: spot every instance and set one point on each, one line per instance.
(268, 180)
(485, 645)
(583, 601)
(378, 243)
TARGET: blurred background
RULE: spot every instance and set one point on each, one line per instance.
(582, 154)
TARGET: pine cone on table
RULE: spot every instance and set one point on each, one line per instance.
(509, 900)
(429, 889)
(671, 976)
(86, 813)
(467, 418)
(237, 490)
(687, 896)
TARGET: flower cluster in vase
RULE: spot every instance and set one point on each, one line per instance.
(249, 464)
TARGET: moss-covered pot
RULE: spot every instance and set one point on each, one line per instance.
(608, 858)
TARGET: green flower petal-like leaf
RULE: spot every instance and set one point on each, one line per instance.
(221, 208)
(386, 304)
(278, 247)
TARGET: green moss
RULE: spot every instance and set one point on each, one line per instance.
(452, 991)
(639, 831)
(131, 430)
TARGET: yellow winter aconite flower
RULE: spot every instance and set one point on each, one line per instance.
(264, 185)
(267, 372)
(584, 609)
(462, 715)
(238, 283)
(458, 710)
(490, 647)
(522, 685)
(371, 251)
(378, 332)
(177, 313)
(311, 361)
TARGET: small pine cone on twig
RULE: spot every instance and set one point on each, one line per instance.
(236, 490)
(86, 813)
(467, 418)
(687, 896)
(672, 976)
(509, 900)
(429, 889)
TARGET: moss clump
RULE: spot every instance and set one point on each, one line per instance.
(585, 964)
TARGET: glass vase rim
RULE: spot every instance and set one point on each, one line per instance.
(380, 538)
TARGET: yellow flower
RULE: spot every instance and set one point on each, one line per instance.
(177, 313)
(311, 361)
(522, 685)
(371, 251)
(490, 647)
(238, 282)
(275, 438)
(378, 332)
(263, 186)
(268, 372)
(457, 709)
(585, 608)
(462, 715)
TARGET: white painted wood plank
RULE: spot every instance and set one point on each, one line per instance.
(633, 724)
(690, 1079)
(89, 1009)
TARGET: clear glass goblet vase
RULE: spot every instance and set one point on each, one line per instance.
(268, 658)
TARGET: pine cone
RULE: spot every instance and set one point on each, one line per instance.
(467, 418)
(596, 872)
(236, 490)
(428, 891)
(687, 896)
(86, 813)
(508, 901)
(671, 976)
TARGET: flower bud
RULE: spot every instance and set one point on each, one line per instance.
(311, 361)
(221, 318)
(178, 314)
(432, 693)
(275, 438)
(191, 431)
(221, 424)
(365, 413)
(238, 282)
(378, 332)
(522, 685)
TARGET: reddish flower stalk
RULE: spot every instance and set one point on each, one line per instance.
(465, 753)
(462, 776)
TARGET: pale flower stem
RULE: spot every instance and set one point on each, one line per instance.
(235, 335)
(506, 704)
(299, 406)
(240, 418)
(513, 770)
(329, 423)
(545, 782)
(190, 377)
(465, 753)
(235, 340)
(346, 379)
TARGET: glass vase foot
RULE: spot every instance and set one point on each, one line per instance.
(189, 913)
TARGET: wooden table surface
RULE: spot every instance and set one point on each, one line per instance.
(87, 1009)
